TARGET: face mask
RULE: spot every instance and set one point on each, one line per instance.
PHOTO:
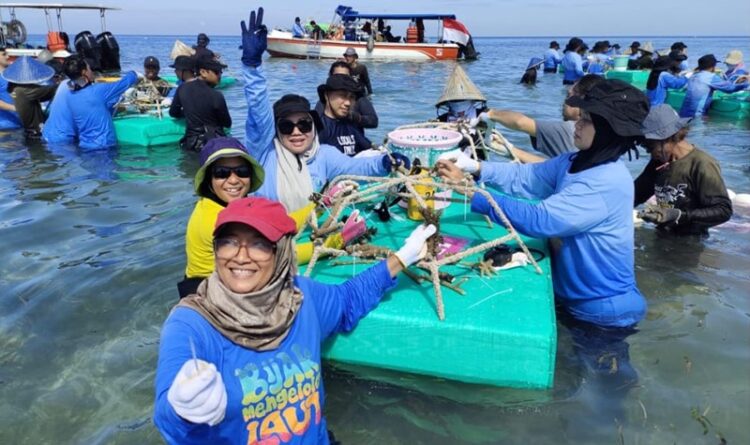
(463, 109)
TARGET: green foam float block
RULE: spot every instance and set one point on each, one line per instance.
(501, 333)
(225, 82)
(637, 78)
(147, 130)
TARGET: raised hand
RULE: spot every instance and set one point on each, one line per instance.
(198, 395)
(254, 39)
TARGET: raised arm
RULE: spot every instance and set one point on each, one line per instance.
(259, 125)
(514, 120)
(113, 91)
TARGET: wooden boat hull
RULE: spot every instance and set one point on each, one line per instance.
(282, 44)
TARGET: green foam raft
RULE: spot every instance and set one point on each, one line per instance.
(147, 130)
(637, 78)
(502, 332)
(225, 82)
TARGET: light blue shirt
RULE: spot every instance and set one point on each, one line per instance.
(552, 58)
(8, 119)
(666, 81)
(591, 212)
(298, 30)
(700, 89)
(573, 64)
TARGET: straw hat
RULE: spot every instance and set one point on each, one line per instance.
(734, 57)
(181, 49)
(27, 71)
(647, 48)
(460, 87)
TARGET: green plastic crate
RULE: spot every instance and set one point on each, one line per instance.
(502, 332)
(147, 130)
(637, 78)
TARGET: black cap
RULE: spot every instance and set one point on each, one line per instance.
(339, 82)
(635, 44)
(151, 62)
(623, 106)
(554, 44)
(294, 103)
(678, 46)
(616, 46)
(666, 62)
(207, 62)
(707, 62)
(183, 63)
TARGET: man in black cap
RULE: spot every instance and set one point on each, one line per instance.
(678, 51)
(362, 113)
(151, 69)
(634, 47)
(201, 47)
(552, 57)
(686, 181)
(204, 108)
(339, 95)
(359, 71)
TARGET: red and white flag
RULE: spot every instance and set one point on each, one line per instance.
(455, 31)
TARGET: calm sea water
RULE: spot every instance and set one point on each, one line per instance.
(93, 244)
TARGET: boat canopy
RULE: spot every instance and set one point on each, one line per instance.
(348, 14)
(57, 6)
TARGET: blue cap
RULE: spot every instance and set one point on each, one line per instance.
(27, 71)
(534, 62)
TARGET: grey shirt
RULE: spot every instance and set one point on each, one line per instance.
(554, 138)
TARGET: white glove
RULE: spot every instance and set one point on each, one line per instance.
(198, 396)
(414, 248)
(166, 102)
(483, 117)
(462, 160)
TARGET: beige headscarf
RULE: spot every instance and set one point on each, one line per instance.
(259, 320)
(293, 180)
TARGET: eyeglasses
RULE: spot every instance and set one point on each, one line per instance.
(287, 127)
(221, 172)
(228, 248)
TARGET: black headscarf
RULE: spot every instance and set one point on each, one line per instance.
(607, 146)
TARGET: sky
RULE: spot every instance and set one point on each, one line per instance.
(482, 17)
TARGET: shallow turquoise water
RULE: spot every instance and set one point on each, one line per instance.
(92, 246)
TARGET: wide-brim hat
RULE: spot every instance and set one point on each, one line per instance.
(27, 71)
(339, 82)
(663, 122)
(266, 216)
(647, 47)
(226, 147)
(623, 106)
(734, 57)
(460, 87)
(293, 103)
(208, 62)
(183, 63)
(666, 62)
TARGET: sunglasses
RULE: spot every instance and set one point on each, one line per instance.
(286, 127)
(243, 171)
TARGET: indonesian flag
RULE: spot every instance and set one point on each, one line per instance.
(455, 31)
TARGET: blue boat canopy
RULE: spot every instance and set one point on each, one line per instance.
(348, 14)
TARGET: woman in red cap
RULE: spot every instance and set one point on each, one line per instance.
(239, 361)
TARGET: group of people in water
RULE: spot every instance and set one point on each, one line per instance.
(248, 329)
(667, 71)
(348, 30)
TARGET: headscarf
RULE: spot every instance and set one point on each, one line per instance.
(257, 320)
(293, 180)
(607, 146)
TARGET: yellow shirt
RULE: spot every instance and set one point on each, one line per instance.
(199, 237)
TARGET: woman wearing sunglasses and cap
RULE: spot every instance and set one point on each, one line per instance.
(583, 198)
(284, 138)
(228, 173)
(239, 361)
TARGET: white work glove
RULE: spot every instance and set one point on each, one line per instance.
(414, 248)
(166, 102)
(198, 396)
(483, 117)
(462, 161)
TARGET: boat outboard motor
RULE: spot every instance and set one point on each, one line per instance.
(110, 51)
(468, 51)
(86, 45)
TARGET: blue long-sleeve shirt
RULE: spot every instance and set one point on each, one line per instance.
(298, 30)
(666, 81)
(700, 89)
(59, 127)
(9, 120)
(591, 212)
(327, 164)
(573, 64)
(91, 111)
(552, 58)
(275, 394)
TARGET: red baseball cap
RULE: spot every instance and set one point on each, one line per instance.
(266, 216)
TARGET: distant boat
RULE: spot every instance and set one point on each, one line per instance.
(454, 40)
